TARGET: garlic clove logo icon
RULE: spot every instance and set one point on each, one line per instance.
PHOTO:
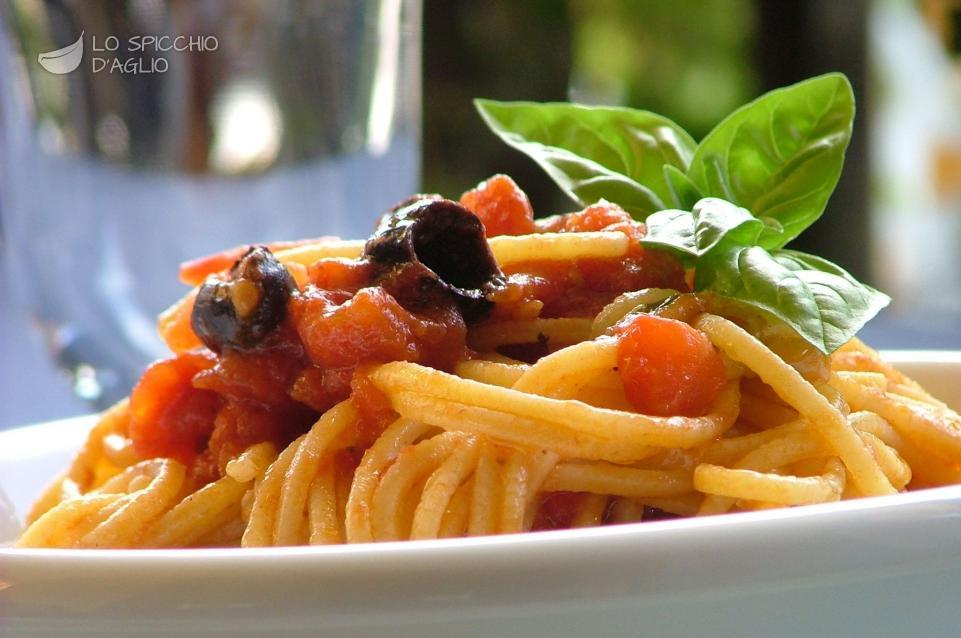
(63, 60)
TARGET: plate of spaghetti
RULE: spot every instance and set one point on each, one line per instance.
(538, 423)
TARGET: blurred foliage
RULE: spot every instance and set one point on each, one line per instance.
(691, 60)
(496, 49)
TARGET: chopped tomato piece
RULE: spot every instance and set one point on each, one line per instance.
(599, 216)
(668, 368)
(169, 417)
(258, 378)
(602, 216)
(369, 327)
(373, 327)
(596, 217)
(501, 205)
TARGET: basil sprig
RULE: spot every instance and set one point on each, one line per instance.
(781, 155)
(820, 300)
(757, 180)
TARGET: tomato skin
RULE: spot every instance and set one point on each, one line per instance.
(668, 368)
(501, 205)
(169, 417)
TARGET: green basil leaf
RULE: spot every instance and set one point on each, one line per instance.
(718, 222)
(781, 155)
(673, 231)
(821, 301)
(684, 192)
(596, 152)
(711, 224)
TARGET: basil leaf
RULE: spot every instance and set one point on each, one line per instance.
(673, 231)
(718, 222)
(781, 155)
(683, 191)
(712, 223)
(596, 152)
(821, 301)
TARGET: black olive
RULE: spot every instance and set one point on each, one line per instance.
(445, 244)
(240, 310)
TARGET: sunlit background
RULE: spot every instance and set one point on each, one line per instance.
(895, 219)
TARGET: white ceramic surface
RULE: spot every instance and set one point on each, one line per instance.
(874, 567)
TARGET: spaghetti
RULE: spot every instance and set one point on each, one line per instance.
(433, 382)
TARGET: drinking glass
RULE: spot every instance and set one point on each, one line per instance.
(137, 135)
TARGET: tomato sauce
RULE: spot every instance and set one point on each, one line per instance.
(349, 315)
(583, 287)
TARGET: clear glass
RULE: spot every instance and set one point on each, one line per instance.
(187, 128)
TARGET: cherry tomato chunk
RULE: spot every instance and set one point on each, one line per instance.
(372, 326)
(501, 205)
(668, 368)
(169, 417)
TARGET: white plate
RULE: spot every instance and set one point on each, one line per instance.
(880, 567)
